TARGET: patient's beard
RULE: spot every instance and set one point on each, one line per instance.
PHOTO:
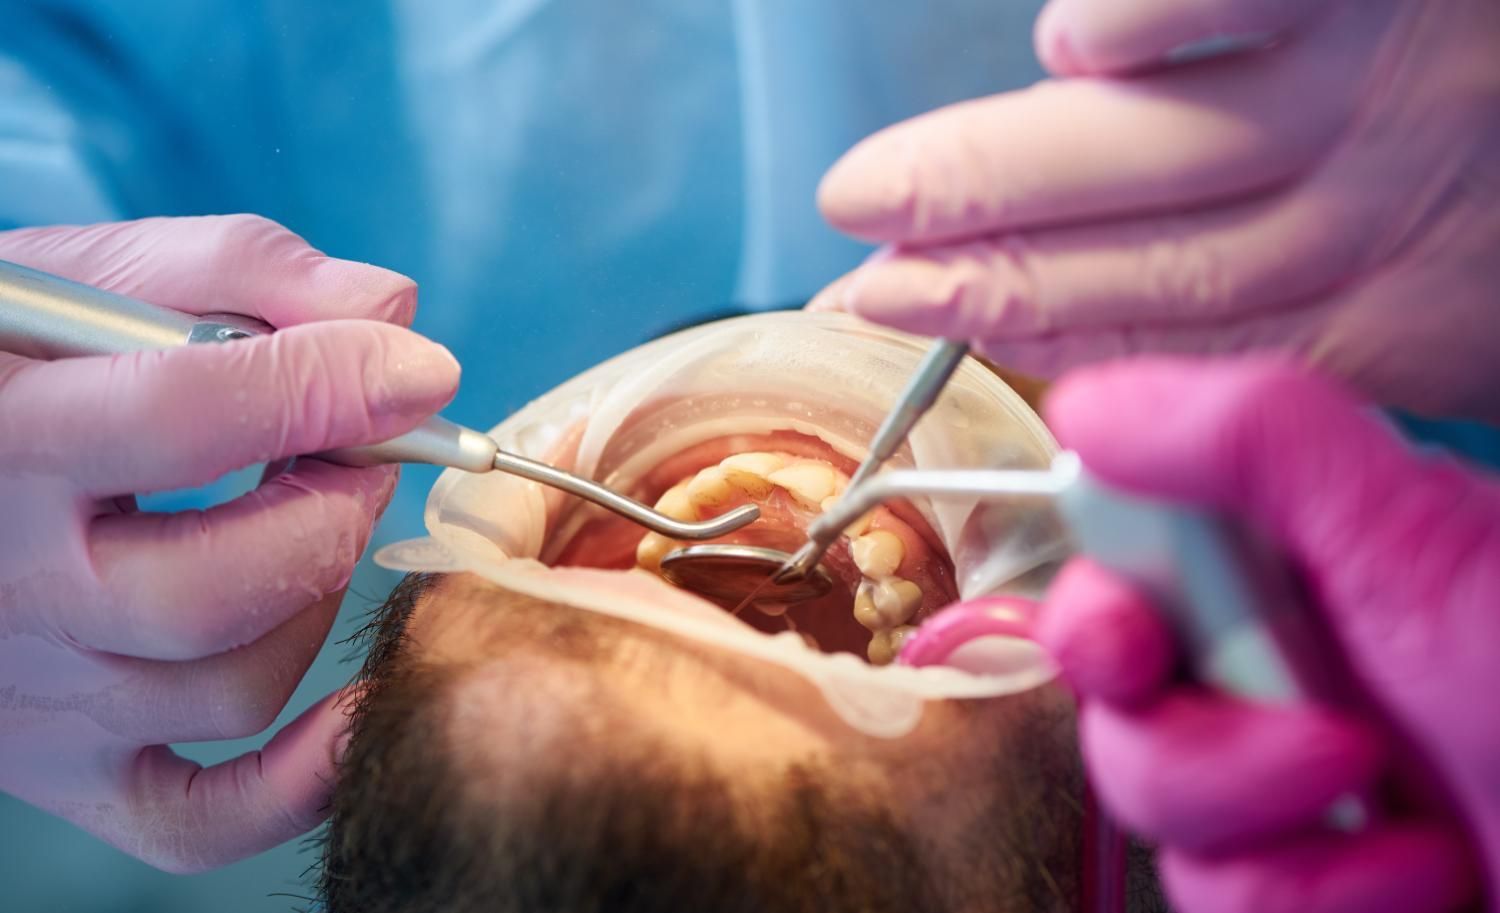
(889, 570)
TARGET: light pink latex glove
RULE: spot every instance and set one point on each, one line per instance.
(123, 631)
(1337, 196)
(1401, 552)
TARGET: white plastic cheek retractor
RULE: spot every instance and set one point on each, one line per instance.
(827, 375)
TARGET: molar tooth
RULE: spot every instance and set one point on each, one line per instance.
(756, 463)
(877, 554)
(676, 504)
(710, 488)
(898, 638)
(749, 471)
(879, 651)
(651, 549)
(808, 482)
(896, 600)
(864, 608)
(858, 527)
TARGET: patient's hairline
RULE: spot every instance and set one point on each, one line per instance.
(387, 625)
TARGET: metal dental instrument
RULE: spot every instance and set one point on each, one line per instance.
(746, 573)
(728, 572)
(921, 392)
(1235, 606)
(48, 317)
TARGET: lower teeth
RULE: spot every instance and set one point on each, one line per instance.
(884, 603)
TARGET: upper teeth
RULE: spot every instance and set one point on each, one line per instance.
(711, 488)
(877, 554)
(810, 483)
(677, 503)
(884, 602)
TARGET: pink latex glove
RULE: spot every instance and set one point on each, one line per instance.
(1401, 552)
(123, 631)
(1336, 195)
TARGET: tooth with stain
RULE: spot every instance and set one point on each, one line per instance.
(887, 603)
(651, 549)
(896, 600)
(877, 554)
(883, 602)
(898, 637)
(879, 652)
(885, 646)
(751, 472)
(711, 488)
(808, 482)
(676, 503)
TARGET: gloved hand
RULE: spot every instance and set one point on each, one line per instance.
(1336, 195)
(123, 631)
(1401, 552)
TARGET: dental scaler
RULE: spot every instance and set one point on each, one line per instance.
(748, 572)
(1234, 605)
(47, 317)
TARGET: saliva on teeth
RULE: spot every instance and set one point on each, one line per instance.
(884, 603)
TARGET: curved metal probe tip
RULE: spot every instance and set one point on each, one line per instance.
(629, 508)
(805, 560)
(984, 484)
(921, 391)
(740, 574)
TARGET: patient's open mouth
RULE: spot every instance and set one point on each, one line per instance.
(889, 569)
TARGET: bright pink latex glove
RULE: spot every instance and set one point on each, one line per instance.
(123, 631)
(1337, 195)
(1402, 555)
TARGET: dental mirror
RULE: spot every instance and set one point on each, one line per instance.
(735, 573)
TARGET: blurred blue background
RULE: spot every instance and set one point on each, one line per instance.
(564, 180)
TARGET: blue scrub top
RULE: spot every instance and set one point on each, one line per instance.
(563, 179)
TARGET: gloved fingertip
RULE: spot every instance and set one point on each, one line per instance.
(869, 191)
(830, 299)
(1100, 409)
(417, 376)
(351, 289)
(346, 702)
(910, 293)
(299, 764)
(1053, 43)
(1107, 638)
(1410, 868)
(1212, 773)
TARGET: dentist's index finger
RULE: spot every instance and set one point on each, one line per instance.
(151, 421)
(182, 817)
(1291, 452)
(238, 264)
(1090, 149)
(1269, 254)
(1081, 37)
(195, 584)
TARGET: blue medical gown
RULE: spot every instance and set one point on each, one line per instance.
(563, 179)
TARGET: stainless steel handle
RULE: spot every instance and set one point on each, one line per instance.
(45, 316)
(436, 441)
